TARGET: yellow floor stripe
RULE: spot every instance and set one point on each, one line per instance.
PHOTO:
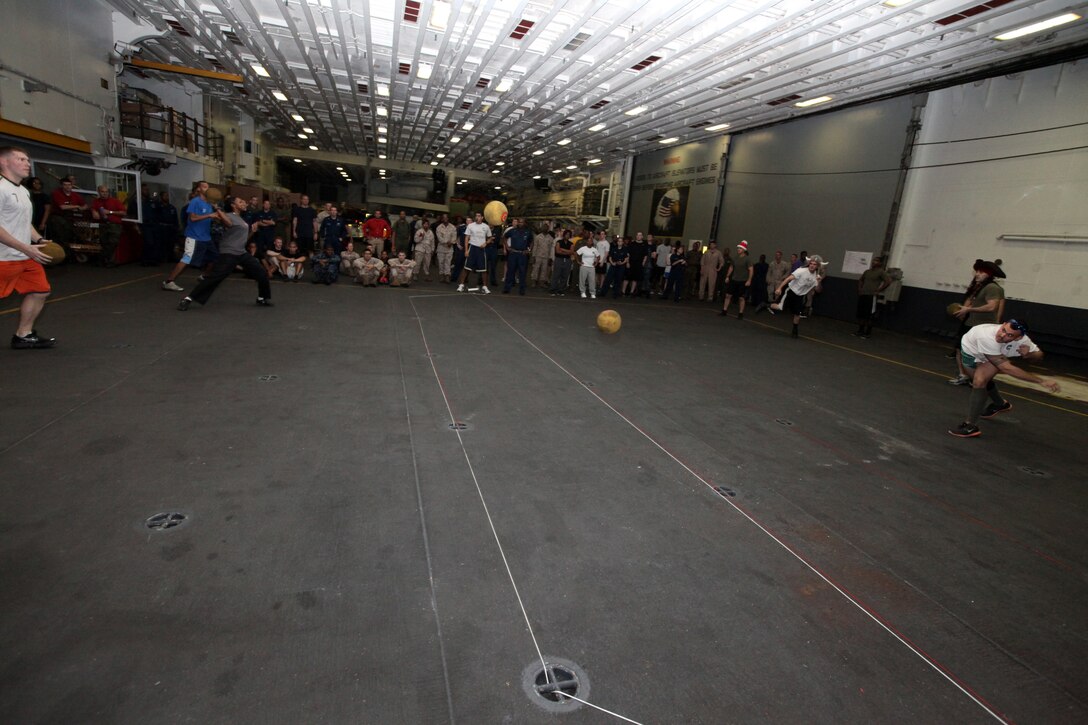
(51, 300)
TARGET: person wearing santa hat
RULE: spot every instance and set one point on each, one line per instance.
(739, 280)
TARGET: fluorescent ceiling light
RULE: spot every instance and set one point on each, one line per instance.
(302, 135)
(279, 95)
(497, 188)
(307, 129)
(671, 139)
(813, 102)
(383, 129)
(440, 15)
(434, 163)
(538, 152)
(440, 156)
(347, 179)
(381, 156)
(572, 166)
(563, 142)
(455, 139)
(896, 3)
(717, 127)
(382, 139)
(383, 90)
(382, 111)
(635, 111)
(469, 125)
(423, 72)
(496, 171)
(594, 161)
(557, 171)
(598, 127)
(259, 70)
(297, 117)
(339, 168)
(1036, 27)
(500, 163)
(504, 85)
(298, 161)
(313, 148)
(537, 176)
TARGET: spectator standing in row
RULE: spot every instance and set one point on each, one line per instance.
(332, 230)
(446, 239)
(777, 270)
(618, 260)
(108, 211)
(600, 243)
(759, 283)
(564, 252)
(694, 260)
(542, 256)
(377, 232)
(661, 258)
(263, 223)
(42, 203)
(871, 283)
(677, 262)
(636, 249)
(423, 251)
(402, 234)
(518, 241)
(588, 255)
(303, 223)
(740, 280)
(709, 266)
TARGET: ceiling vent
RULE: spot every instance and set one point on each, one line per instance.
(650, 60)
(971, 12)
(521, 29)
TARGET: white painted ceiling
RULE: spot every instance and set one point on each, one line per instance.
(527, 74)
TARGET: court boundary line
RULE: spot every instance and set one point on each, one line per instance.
(841, 589)
(14, 310)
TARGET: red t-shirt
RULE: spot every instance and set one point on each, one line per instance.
(110, 204)
(376, 228)
(61, 199)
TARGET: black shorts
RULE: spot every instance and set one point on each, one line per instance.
(793, 303)
(866, 306)
(477, 259)
(736, 288)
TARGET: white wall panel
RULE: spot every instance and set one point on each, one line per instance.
(958, 201)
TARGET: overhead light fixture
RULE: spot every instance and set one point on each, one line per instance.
(594, 161)
(297, 117)
(298, 161)
(339, 168)
(381, 156)
(671, 139)
(423, 72)
(347, 179)
(572, 167)
(538, 152)
(496, 171)
(382, 139)
(440, 156)
(307, 129)
(383, 129)
(1036, 27)
(500, 163)
(557, 171)
(440, 15)
(598, 127)
(279, 95)
(383, 90)
(381, 171)
(497, 188)
(302, 135)
(455, 139)
(717, 127)
(259, 70)
(434, 163)
(635, 111)
(813, 102)
(313, 148)
(563, 142)
(469, 125)
(537, 176)
(504, 85)
(896, 3)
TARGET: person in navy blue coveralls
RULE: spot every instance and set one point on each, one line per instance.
(518, 241)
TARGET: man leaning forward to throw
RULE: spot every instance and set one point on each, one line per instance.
(985, 351)
(20, 261)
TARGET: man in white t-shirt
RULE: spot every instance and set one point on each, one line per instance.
(985, 351)
(588, 254)
(20, 260)
(798, 285)
(477, 236)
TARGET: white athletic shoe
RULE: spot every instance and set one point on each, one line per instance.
(485, 290)
(592, 297)
(583, 295)
(460, 288)
(172, 286)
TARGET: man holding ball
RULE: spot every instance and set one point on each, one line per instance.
(20, 261)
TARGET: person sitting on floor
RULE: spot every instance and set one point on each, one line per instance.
(326, 265)
(401, 270)
(293, 262)
(347, 258)
(271, 260)
(368, 268)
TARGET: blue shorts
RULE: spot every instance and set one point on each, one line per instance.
(477, 259)
(198, 252)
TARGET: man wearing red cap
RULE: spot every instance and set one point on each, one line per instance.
(984, 305)
(739, 276)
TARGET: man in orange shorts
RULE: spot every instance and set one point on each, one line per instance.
(20, 261)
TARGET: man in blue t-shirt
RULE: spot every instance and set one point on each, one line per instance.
(198, 250)
(518, 241)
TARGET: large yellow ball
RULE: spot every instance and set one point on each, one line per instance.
(953, 308)
(495, 213)
(609, 322)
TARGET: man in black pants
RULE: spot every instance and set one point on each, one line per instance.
(232, 253)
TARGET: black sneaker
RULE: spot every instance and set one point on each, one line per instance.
(264, 302)
(184, 304)
(32, 342)
(965, 430)
(992, 410)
